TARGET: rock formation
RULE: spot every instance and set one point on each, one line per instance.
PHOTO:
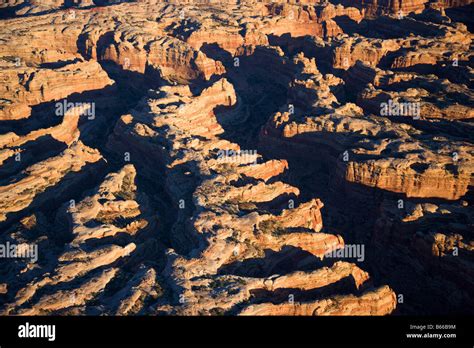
(236, 158)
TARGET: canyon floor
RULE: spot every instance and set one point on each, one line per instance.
(236, 157)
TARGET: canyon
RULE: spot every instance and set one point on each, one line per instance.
(211, 158)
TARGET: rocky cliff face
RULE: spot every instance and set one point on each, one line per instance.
(238, 158)
(384, 158)
(375, 7)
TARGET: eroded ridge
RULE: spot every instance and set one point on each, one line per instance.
(106, 235)
(220, 227)
(408, 167)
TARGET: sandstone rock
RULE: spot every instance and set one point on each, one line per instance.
(26, 87)
(37, 178)
(379, 302)
(198, 186)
